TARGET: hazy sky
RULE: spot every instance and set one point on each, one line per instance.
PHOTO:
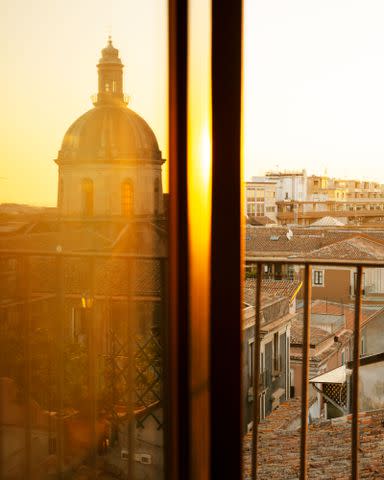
(49, 51)
(314, 94)
(314, 83)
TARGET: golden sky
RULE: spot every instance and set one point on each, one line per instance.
(314, 76)
(49, 51)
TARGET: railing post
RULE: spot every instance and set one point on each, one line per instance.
(60, 302)
(256, 370)
(26, 323)
(92, 367)
(305, 372)
(133, 267)
(164, 323)
(355, 376)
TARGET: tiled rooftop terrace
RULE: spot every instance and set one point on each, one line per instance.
(329, 446)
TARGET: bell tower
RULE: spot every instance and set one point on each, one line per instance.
(110, 72)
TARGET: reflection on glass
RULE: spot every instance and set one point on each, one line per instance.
(199, 200)
(82, 304)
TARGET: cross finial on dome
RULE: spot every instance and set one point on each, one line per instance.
(110, 41)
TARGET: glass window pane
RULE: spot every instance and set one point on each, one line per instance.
(83, 239)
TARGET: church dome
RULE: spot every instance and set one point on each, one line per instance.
(109, 134)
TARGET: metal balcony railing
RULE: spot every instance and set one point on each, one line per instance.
(307, 297)
(39, 289)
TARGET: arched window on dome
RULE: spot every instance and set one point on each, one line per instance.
(87, 197)
(127, 198)
(156, 195)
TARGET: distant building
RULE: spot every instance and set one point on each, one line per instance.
(349, 201)
(260, 198)
(327, 188)
(291, 185)
(305, 200)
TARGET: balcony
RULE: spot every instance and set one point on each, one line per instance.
(307, 263)
(82, 339)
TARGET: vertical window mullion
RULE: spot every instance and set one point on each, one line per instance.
(176, 405)
(305, 372)
(226, 242)
(355, 374)
(256, 370)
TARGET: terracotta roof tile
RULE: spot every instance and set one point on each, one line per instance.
(260, 221)
(356, 248)
(266, 241)
(270, 289)
(317, 334)
(329, 446)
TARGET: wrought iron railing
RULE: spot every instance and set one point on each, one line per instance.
(307, 264)
(118, 363)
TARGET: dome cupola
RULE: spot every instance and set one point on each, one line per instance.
(110, 72)
(110, 132)
(109, 161)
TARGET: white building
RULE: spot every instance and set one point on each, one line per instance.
(290, 185)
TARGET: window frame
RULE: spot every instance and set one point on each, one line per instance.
(318, 278)
(216, 451)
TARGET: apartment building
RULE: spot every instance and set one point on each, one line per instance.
(260, 198)
(292, 197)
(278, 310)
(348, 201)
(290, 184)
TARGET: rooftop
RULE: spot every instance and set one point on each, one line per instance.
(329, 444)
(261, 221)
(323, 307)
(271, 290)
(356, 248)
(309, 241)
(327, 222)
(316, 336)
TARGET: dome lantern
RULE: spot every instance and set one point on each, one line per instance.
(110, 72)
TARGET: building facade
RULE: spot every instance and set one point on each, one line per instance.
(291, 185)
(277, 313)
(260, 198)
